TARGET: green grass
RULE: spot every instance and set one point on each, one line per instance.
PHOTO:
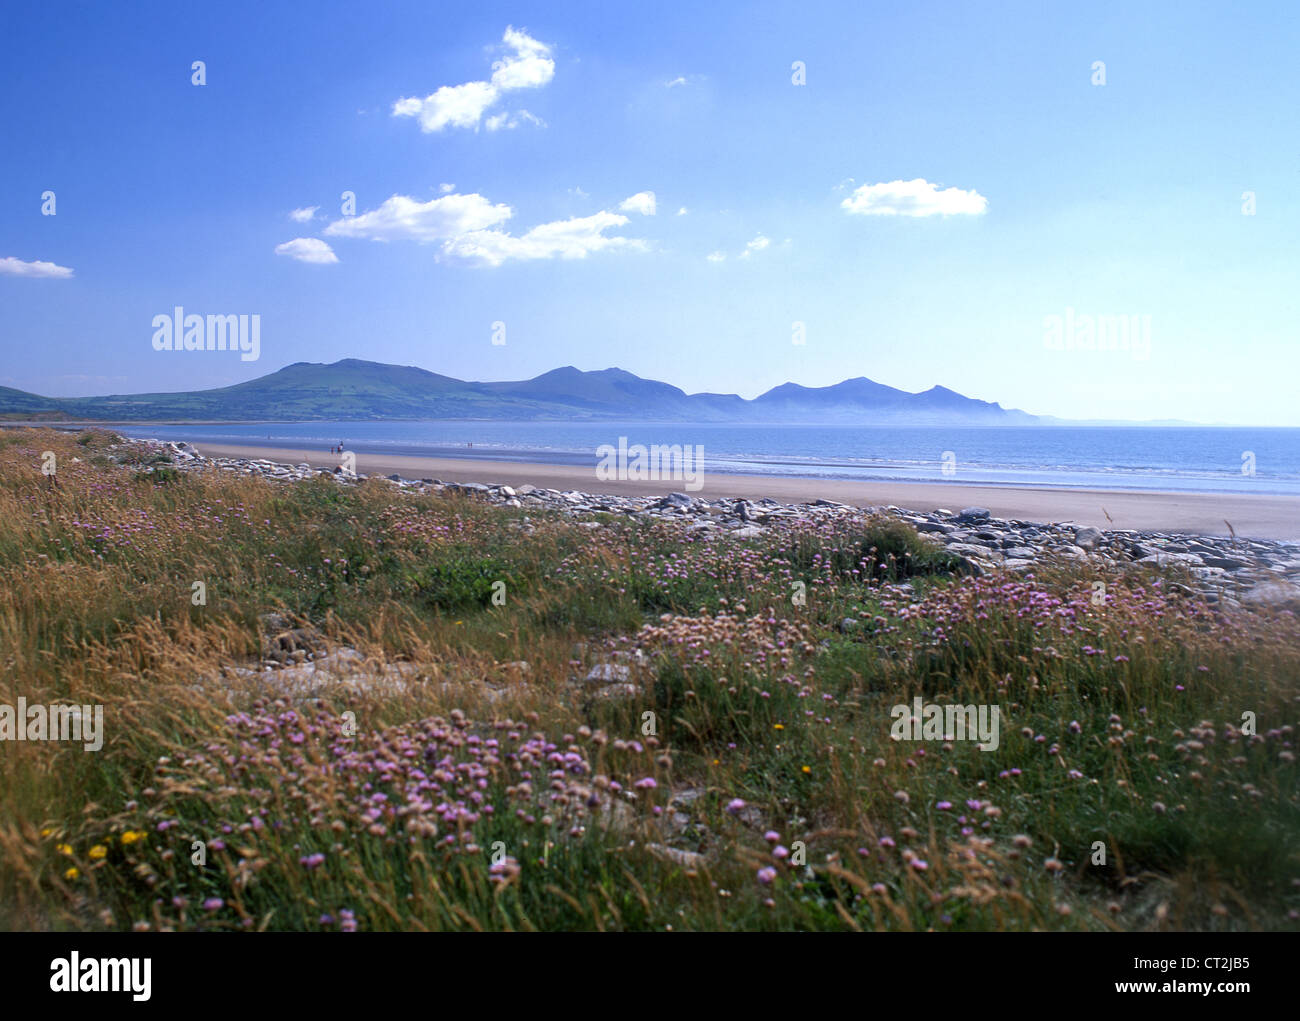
(1121, 722)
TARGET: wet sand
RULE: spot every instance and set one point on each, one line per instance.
(1263, 516)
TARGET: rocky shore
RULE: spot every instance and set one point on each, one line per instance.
(1225, 570)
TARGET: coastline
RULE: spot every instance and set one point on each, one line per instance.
(1258, 516)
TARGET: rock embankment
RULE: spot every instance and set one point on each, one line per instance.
(1225, 569)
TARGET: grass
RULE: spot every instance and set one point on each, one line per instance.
(743, 777)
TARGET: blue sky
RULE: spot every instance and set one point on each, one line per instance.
(1042, 191)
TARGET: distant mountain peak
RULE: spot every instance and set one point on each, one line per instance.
(356, 389)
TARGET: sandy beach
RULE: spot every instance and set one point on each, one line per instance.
(1264, 516)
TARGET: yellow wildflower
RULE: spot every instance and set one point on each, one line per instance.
(72, 873)
(63, 848)
(100, 851)
(131, 836)
(806, 769)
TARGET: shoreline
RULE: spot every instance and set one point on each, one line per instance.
(1266, 516)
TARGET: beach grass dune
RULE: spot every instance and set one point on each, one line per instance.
(339, 705)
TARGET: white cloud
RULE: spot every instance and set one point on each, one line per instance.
(528, 65)
(642, 202)
(312, 250)
(716, 256)
(304, 214)
(913, 198)
(467, 227)
(446, 188)
(679, 80)
(757, 245)
(457, 106)
(17, 268)
(512, 120)
(402, 218)
(682, 212)
(579, 193)
(565, 239)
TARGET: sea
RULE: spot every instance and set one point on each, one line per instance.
(1191, 459)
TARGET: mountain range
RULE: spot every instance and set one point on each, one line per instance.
(356, 390)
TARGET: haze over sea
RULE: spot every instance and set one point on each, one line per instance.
(1164, 459)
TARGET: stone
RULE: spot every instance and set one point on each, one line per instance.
(275, 622)
(967, 549)
(969, 515)
(615, 692)
(1087, 538)
(282, 644)
(686, 859)
(609, 673)
(342, 668)
(1227, 563)
(1272, 593)
(1163, 559)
